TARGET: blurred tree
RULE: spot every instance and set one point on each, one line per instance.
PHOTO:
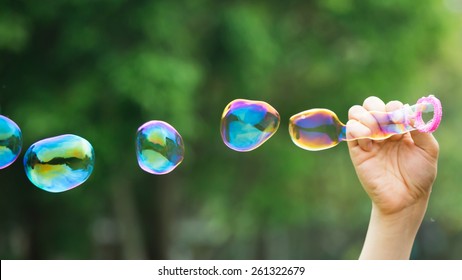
(100, 69)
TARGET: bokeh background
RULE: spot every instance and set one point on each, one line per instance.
(100, 69)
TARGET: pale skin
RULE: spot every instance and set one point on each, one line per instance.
(397, 173)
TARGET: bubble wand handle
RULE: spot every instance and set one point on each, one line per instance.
(407, 118)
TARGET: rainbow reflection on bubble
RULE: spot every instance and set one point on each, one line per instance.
(159, 147)
(247, 124)
(10, 141)
(320, 129)
(59, 163)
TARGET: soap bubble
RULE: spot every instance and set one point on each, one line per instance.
(59, 163)
(247, 124)
(159, 147)
(10, 141)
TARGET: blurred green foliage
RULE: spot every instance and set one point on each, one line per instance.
(100, 69)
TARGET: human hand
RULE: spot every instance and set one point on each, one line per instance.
(397, 173)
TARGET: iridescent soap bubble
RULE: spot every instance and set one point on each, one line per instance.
(247, 124)
(59, 163)
(10, 141)
(159, 147)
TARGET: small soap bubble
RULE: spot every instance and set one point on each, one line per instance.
(316, 129)
(10, 141)
(247, 124)
(159, 147)
(59, 163)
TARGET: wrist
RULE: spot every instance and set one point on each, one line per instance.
(391, 235)
(410, 216)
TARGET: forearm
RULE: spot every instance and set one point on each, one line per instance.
(391, 236)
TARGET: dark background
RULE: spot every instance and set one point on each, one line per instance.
(100, 69)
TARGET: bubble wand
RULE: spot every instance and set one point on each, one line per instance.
(320, 129)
